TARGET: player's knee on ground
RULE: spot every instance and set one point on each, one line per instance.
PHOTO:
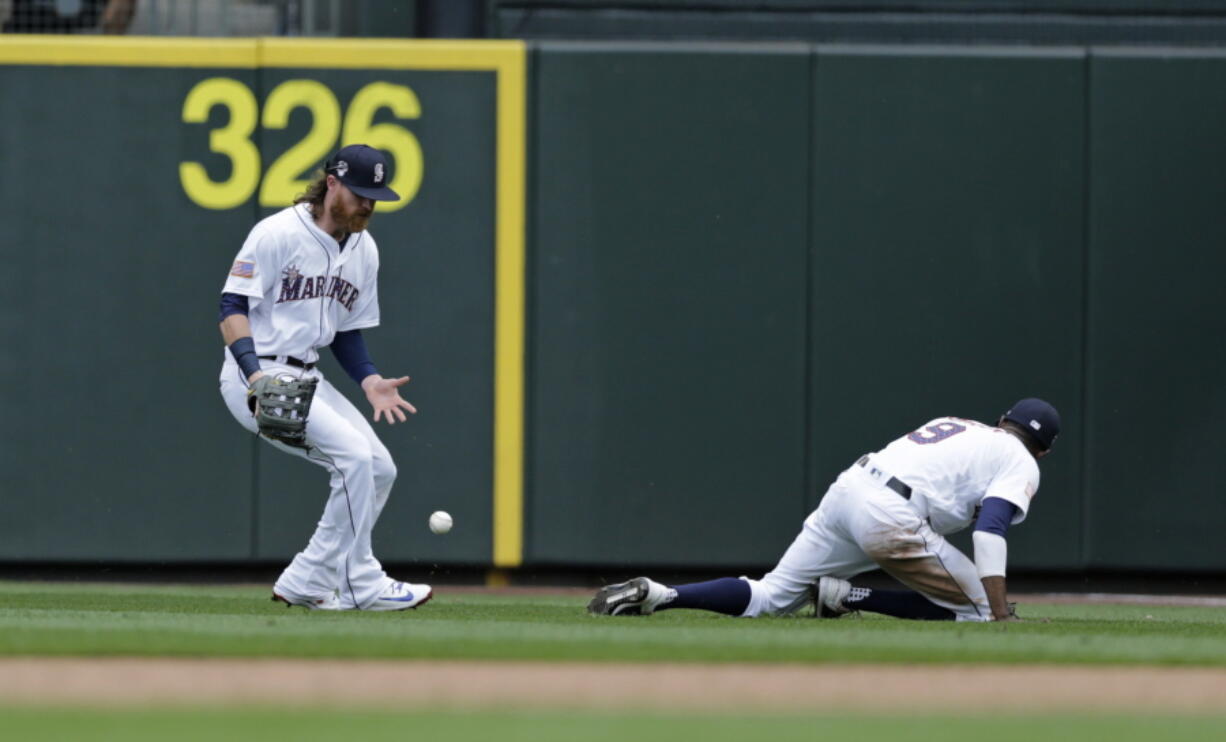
(932, 578)
(775, 596)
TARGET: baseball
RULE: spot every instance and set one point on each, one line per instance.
(440, 521)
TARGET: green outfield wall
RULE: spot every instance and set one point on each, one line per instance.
(669, 304)
(653, 297)
(1155, 361)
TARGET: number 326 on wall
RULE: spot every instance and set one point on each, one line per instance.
(281, 184)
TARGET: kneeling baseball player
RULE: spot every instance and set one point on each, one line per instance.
(892, 509)
(305, 279)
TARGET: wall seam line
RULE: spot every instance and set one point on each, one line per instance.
(808, 463)
(1086, 226)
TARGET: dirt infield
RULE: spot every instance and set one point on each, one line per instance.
(668, 687)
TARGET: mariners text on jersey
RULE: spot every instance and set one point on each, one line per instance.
(296, 287)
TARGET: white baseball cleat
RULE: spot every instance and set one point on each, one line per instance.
(829, 594)
(329, 603)
(401, 596)
(638, 597)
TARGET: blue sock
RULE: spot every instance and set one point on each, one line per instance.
(727, 595)
(897, 603)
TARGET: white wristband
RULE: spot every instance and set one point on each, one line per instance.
(991, 552)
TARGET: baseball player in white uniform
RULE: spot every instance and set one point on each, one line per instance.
(304, 279)
(892, 509)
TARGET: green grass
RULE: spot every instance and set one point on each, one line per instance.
(267, 724)
(99, 620)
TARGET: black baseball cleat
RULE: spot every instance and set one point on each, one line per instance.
(637, 597)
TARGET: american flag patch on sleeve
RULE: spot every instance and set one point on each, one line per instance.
(243, 269)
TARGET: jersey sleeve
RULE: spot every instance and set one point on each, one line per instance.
(255, 269)
(365, 312)
(1017, 482)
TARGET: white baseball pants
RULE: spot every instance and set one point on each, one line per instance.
(338, 559)
(861, 525)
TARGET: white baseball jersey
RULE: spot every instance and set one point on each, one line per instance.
(952, 464)
(302, 288)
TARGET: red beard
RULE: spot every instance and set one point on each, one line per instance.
(351, 221)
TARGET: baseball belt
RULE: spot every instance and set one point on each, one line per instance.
(893, 483)
(290, 361)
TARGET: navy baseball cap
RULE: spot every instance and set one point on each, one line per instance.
(364, 171)
(1038, 417)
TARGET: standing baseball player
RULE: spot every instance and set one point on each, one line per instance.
(892, 509)
(305, 279)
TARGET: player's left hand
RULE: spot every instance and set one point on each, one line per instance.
(384, 396)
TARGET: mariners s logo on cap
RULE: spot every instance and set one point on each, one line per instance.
(364, 171)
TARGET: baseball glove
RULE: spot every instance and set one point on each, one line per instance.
(281, 405)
